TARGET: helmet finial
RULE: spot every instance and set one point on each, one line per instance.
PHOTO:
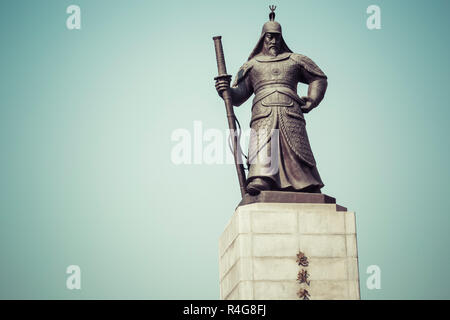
(272, 13)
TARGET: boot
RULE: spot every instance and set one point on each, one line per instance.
(257, 185)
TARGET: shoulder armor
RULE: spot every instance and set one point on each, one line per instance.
(308, 64)
(242, 72)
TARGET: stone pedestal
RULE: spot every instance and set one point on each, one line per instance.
(258, 250)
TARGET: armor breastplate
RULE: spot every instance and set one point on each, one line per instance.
(275, 78)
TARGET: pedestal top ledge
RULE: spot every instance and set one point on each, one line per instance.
(289, 197)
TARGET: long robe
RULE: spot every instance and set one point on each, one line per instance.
(279, 147)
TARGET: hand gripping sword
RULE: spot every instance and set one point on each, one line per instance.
(226, 95)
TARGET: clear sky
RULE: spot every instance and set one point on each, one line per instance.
(86, 119)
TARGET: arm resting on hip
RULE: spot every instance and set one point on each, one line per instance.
(316, 90)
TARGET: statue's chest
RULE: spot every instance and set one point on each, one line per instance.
(285, 70)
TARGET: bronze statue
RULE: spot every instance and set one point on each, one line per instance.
(272, 73)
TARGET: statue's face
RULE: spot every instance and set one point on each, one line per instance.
(272, 43)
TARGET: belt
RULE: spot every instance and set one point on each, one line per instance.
(273, 84)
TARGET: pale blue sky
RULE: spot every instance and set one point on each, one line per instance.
(86, 119)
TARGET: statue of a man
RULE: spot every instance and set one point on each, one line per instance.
(272, 73)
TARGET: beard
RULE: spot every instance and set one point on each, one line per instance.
(273, 51)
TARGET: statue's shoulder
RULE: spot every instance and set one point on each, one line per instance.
(243, 71)
(308, 64)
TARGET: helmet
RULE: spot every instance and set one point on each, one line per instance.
(273, 27)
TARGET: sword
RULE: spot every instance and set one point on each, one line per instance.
(226, 95)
